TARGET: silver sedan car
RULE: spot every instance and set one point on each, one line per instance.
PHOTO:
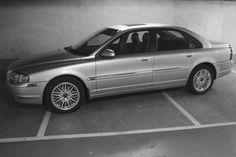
(116, 60)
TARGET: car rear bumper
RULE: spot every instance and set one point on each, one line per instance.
(224, 68)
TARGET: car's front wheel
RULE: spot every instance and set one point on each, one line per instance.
(201, 79)
(64, 94)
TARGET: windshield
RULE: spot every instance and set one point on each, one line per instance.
(86, 47)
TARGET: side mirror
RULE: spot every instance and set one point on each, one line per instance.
(108, 53)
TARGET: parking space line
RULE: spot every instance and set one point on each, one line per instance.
(105, 134)
(44, 124)
(188, 115)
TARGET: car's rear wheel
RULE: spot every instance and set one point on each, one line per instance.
(201, 79)
(64, 94)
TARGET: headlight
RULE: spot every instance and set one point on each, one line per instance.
(18, 78)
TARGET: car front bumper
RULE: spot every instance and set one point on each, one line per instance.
(30, 93)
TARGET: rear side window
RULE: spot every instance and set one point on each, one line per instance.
(170, 39)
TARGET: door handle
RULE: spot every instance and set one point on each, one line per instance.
(144, 59)
(189, 55)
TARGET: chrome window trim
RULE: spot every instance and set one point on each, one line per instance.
(197, 37)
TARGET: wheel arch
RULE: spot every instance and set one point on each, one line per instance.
(209, 64)
(87, 95)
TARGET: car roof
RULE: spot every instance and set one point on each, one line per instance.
(134, 26)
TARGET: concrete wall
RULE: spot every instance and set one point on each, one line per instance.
(214, 20)
(27, 27)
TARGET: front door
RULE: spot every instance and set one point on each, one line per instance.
(130, 69)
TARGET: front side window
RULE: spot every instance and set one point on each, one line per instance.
(175, 40)
(131, 43)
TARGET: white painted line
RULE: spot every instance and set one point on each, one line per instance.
(234, 71)
(44, 124)
(188, 115)
(105, 134)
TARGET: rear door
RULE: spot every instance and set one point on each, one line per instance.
(171, 57)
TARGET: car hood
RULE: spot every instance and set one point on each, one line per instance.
(51, 57)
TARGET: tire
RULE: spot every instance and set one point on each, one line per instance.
(197, 84)
(57, 99)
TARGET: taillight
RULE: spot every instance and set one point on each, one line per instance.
(231, 53)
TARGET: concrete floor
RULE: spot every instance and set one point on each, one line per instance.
(207, 142)
(133, 112)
